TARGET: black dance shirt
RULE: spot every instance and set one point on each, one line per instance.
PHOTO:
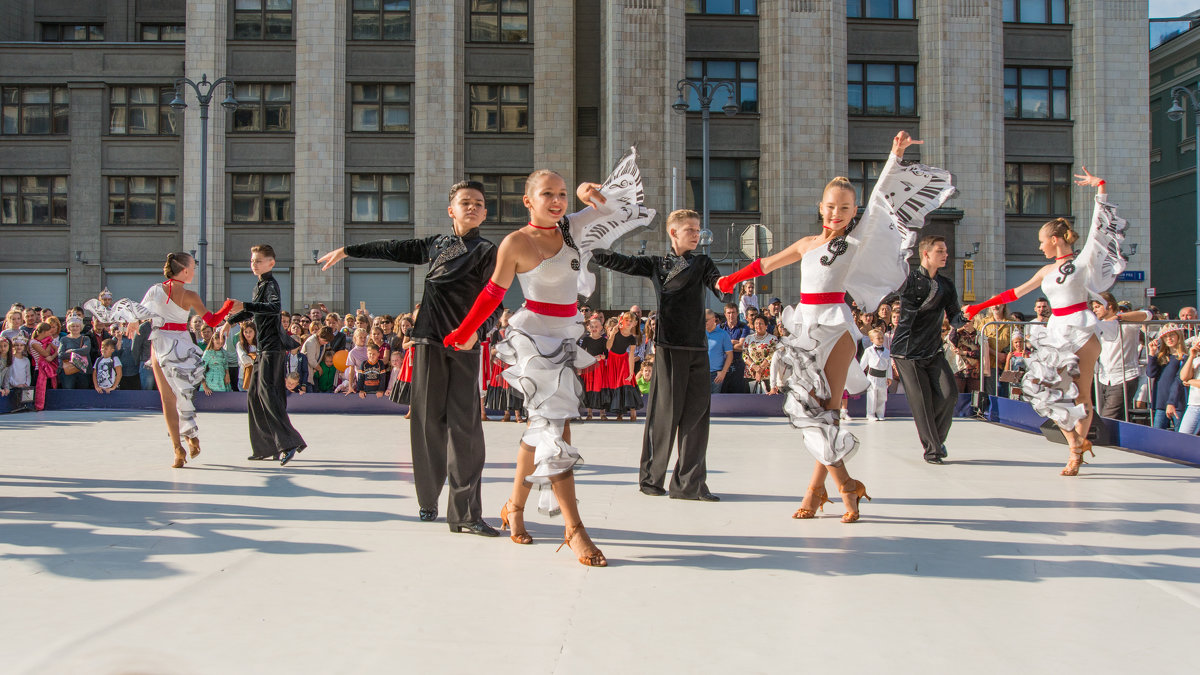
(680, 282)
(924, 302)
(460, 268)
(266, 309)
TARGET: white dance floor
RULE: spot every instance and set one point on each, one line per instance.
(112, 562)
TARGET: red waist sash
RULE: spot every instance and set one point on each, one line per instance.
(1064, 311)
(822, 298)
(551, 309)
(173, 326)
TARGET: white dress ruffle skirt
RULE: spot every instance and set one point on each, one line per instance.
(542, 356)
(798, 370)
(181, 360)
(1049, 383)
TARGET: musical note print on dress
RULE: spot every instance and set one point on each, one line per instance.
(837, 246)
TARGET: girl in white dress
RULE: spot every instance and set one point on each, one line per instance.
(177, 361)
(1058, 379)
(868, 260)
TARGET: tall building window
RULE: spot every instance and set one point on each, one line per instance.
(262, 20)
(381, 20)
(502, 197)
(141, 111)
(1035, 11)
(33, 200)
(880, 9)
(72, 32)
(263, 107)
(1036, 93)
(1037, 189)
(261, 197)
(499, 20)
(35, 110)
(499, 108)
(141, 200)
(863, 174)
(380, 198)
(381, 107)
(743, 7)
(732, 184)
(887, 89)
(163, 32)
(743, 74)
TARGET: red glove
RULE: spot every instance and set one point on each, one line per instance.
(754, 269)
(1006, 297)
(487, 302)
(214, 320)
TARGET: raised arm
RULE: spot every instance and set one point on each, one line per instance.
(191, 300)
(638, 266)
(466, 335)
(407, 251)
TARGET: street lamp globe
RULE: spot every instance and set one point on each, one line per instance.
(730, 109)
(230, 103)
(680, 104)
(1175, 112)
(178, 103)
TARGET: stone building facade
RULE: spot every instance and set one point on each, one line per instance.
(356, 116)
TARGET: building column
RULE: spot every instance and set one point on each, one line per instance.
(960, 93)
(86, 191)
(438, 107)
(1112, 121)
(205, 54)
(642, 57)
(554, 90)
(318, 188)
(802, 78)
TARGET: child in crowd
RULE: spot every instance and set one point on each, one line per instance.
(291, 382)
(19, 378)
(327, 375)
(371, 375)
(595, 376)
(206, 334)
(5, 364)
(358, 354)
(378, 338)
(644, 375)
(1015, 365)
(45, 361)
(297, 363)
(216, 367)
(620, 366)
(247, 352)
(877, 363)
(106, 372)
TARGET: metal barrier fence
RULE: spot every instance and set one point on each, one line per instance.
(1191, 328)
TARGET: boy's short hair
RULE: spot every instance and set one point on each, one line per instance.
(928, 242)
(326, 334)
(465, 185)
(372, 347)
(293, 376)
(109, 343)
(680, 215)
(875, 332)
(265, 250)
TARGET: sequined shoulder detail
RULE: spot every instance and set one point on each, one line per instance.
(449, 248)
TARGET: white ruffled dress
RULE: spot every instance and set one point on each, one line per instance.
(868, 262)
(180, 359)
(1053, 367)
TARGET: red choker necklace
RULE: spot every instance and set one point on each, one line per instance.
(539, 227)
(1065, 256)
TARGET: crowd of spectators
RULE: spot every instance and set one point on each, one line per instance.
(1150, 375)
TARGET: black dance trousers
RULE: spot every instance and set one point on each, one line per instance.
(680, 399)
(446, 432)
(932, 392)
(271, 431)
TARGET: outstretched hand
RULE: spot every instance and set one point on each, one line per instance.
(589, 193)
(1088, 180)
(332, 258)
(726, 285)
(901, 142)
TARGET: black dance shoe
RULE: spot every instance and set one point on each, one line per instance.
(427, 515)
(936, 459)
(705, 496)
(288, 455)
(653, 490)
(942, 452)
(262, 458)
(478, 527)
